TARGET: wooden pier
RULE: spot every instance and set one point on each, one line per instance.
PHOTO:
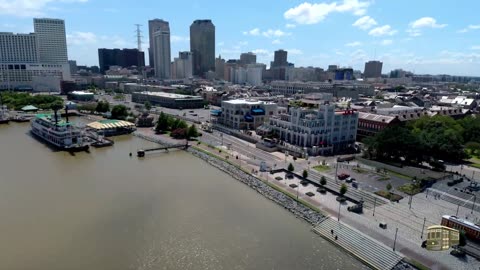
(142, 152)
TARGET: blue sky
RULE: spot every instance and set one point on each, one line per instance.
(424, 36)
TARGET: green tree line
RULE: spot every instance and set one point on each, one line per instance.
(178, 128)
(17, 101)
(426, 139)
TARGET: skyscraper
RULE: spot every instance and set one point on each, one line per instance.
(373, 69)
(51, 40)
(202, 45)
(220, 67)
(161, 52)
(280, 58)
(154, 26)
(248, 58)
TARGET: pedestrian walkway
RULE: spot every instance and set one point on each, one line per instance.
(371, 252)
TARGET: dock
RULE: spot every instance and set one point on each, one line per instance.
(142, 152)
(98, 141)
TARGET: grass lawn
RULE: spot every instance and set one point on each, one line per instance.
(383, 178)
(388, 195)
(409, 189)
(399, 175)
(360, 170)
(321, 168)
(475, 165)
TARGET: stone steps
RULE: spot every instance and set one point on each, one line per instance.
(371, 252)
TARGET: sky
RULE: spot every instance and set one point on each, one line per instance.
(422, 36)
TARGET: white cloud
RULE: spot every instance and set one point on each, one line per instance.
(253, 32)
(277, 41)
(414, 32)
(175, 38)
(386, 42)
(294, 51)
(426, 22)
(274, 33)
(477, 47)
(385, 30)
(308, 13)
(365, 23)
(81, 38)
(470, 27)
(30, 8)
(290, 25)
(261, 51)
(354, 44)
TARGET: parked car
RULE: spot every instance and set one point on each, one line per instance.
(350, 180)
(354, 184)
(343, 176)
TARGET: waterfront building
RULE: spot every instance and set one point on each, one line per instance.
(202, 45)
(51, 40)
(246, 114)
(120, 57)
(34, 76)
(315, 127)
(168, 100)
(348, 89)
(155, 25)
(373, 69)
(161, 51)
(111, 127)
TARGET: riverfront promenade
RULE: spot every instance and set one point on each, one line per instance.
(408, 220)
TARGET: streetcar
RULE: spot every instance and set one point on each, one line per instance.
(472, 230)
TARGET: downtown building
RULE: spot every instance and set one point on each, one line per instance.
(373, 69)
(246, 114)
(161, 50)
(315, 128)
(340, 89)
(183, 66)
(37, 61)
(202, 45)
(120, 57)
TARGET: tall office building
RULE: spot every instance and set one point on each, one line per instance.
(154, 26)
(117, 57)
(248, 58)
(73, 66)
(202, 45)
(161, 52)
(373, 69)
(183, 65)
(51, 40)
(280, 59)
(220, 67)
(18, 48)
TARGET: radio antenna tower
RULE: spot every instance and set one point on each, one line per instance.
(139, 37)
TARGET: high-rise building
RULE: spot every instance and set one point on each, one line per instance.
(220, 67)
(248, 58)
(373, 69)
(51, 40)
(73, 66)
(254, 74)
(154, 26)
(183, 65)
(280, 59)
(202, 45)
(161, 52)
(117, 57)
(18, 48)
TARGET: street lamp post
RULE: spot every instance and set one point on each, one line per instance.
(374, 204)
(339, 204)
(395, 241)
(423, 227)
(458, 207)
(474, 200)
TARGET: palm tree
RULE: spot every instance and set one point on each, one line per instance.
(343, 189)
(323, 181)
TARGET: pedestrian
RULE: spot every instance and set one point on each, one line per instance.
(331, 231)
(336, 237)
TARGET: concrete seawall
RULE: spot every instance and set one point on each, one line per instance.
(298, 209)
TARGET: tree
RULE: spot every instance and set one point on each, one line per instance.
(57, 105)
(305, 174)
(179, 133)
(147, 105)
(473, 148)
(343, 189)
(162, 123)
(119, 112)
(389, 187)
(290, 167)
(323, 181)
(103, 106)
(192, 132)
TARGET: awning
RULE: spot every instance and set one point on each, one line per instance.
(258, 110)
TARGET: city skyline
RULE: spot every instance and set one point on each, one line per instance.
(424, 39)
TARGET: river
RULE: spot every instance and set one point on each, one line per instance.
(106, 210)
